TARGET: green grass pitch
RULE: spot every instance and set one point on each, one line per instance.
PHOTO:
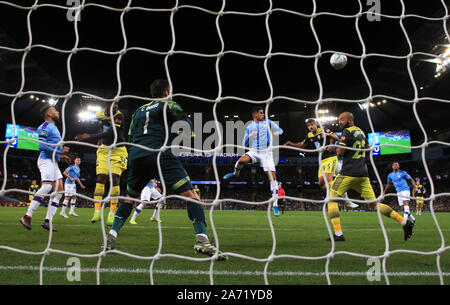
(243, 232)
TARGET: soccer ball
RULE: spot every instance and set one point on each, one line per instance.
(338, 61)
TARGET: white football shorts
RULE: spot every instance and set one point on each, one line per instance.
(70, 189)
(49, 171)
(148, 194)
(265, 158)
(403, 196)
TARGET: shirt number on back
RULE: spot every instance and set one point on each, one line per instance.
(359, 154)
(147, 118)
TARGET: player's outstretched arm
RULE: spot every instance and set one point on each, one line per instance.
(177, 113)
(298, 145)
(330, 148)
(276, 129)
(64, 157)
(343, 142)
(65, 174)
(334, 137)
(80, 183)
(246, 139)
(386, 188)
(82, 137)
(95, 136)
(340, 151)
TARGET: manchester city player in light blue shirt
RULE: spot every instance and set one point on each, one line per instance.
(257, 137)
(51, 176)
(72, 174)
(400, 179)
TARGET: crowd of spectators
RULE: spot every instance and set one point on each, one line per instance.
(298, 182)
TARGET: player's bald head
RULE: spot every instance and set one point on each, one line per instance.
(348, 115)
(346, 119)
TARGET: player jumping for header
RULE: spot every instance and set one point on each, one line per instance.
(118, 158)
(257, 137)
(330, 161)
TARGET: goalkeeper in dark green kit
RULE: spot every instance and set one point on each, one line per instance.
(148, 129)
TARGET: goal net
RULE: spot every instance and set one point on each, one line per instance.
(221, 58)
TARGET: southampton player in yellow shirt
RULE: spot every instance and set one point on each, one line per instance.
(421, 190)
(314, 139)
(119, 156)
(33, 188)
(197, 190)
(354, 175)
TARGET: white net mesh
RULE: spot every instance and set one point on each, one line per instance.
(75, 10)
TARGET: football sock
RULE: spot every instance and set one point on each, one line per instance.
(157, 210)
(237, 167)
(333, 212)
(122, 214)
(275, 202)
(197, 216)
(407, 213)
(72, 205)
(98, 195)
(137, 211)
(273, 185)
(53, 207)
(113, 233)
(389, 212)
(113, 205)
(274, 189)
(64, 206)
(38, 198)
(35, 203)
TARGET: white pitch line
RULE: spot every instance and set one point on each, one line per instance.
(218, 272)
